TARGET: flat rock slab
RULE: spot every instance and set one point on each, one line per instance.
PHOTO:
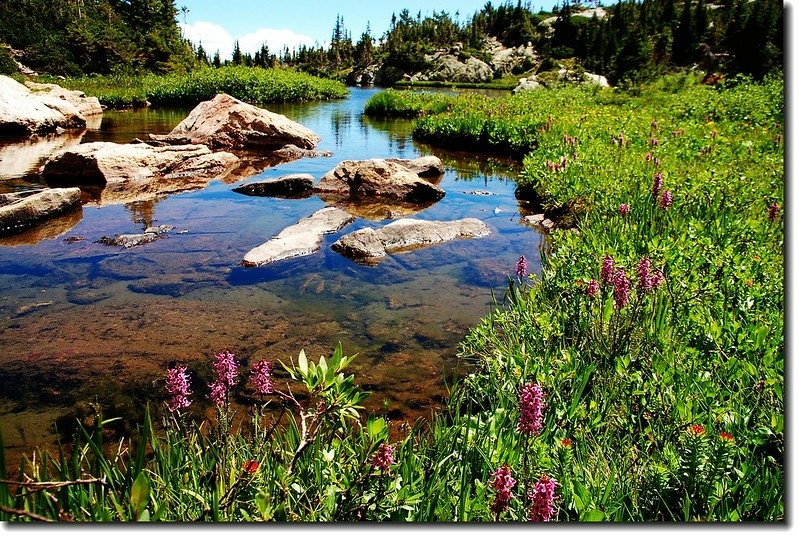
(20, 211)
(292, 186)
(226, 122)
(370, 246)
(303, 238)
(376, 178)
(102, 163)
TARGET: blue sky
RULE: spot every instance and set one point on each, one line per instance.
(217, 23)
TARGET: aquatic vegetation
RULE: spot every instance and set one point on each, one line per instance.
(251, 84)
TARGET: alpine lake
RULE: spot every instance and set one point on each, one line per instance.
(87, 326)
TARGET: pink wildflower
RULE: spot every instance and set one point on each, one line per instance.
(657, 183)
(521, 267)
(226, 373)
(592, 289)
(531, 409)
(384, 457)
(177, 386)
(624, 209)
(606, 274)
(261, 377)
(621, 288)
(543, 498)
(773, 211)
(501, 482)
(666, 199)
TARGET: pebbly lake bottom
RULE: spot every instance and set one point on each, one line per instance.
(84, 323)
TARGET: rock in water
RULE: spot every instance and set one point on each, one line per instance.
(20, 211)
(107, 162)
(370, 246)
(303, 238)
(226, 122)
(294, 186)
(22, 113)
(376, 178)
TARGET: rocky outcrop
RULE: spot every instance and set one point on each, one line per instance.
(20, 211)
(226, 122)
(376, 178)
(454, 66)
(526, 84)
(292, 152)
(506, 60)
(370, 246)
(102, 163)
(24, 113)
(55, 96)
(293, 186)
(303, 238)
(366, 76)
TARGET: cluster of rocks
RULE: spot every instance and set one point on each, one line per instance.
(216, 141)
(374, 188)
(198, 150)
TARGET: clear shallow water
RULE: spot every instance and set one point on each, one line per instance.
(81, 321)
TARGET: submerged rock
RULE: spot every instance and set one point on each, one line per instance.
(21, 211)
(49, 109)
(136, 239)
(538, 220)
(370, 246)
(294, 186)
(303, 238)
(226, 122)
(377, 178)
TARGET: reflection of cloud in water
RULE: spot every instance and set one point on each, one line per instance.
(23, 158)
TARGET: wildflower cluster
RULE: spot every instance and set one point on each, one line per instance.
(543, 500)
(384, 457)
(226, 374)
(531, 409)
(502, 483)
(177, 386)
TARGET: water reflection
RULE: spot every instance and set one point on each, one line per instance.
(20, 159)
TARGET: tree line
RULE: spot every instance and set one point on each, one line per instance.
(636, 40)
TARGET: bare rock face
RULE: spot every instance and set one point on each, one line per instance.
(54, 95)
(226, 122)
(293, 186)
(376, 178)
(370, 246)
(20, 211)
(451, 67)
(303, 238)
(526, 84)
(23, 114)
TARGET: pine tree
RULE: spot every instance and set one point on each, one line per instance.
(237, 57)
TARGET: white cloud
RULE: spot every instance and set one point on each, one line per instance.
(275, 39)
(214, 37)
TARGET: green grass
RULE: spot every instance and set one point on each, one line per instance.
(666, 407)
(505, 83)
(251, 84)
